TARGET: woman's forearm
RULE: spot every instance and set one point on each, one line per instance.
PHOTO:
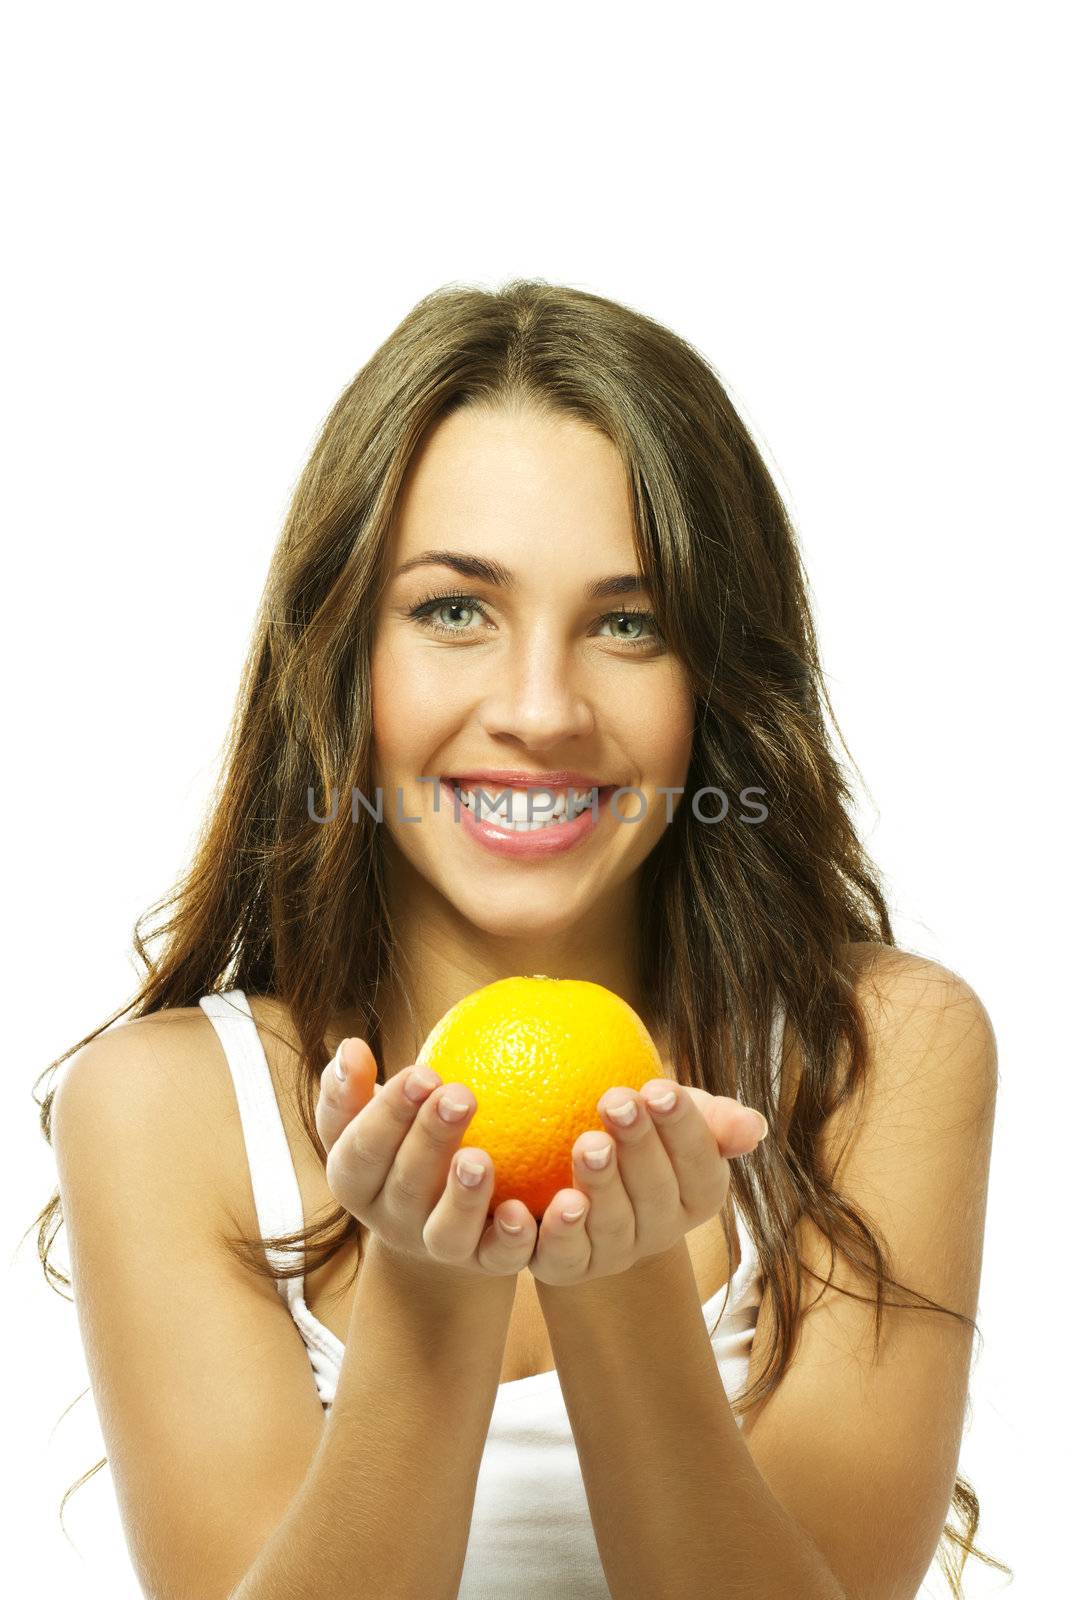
(678, 1505)
(385, 1509)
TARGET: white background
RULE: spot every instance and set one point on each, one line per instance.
(216, 213)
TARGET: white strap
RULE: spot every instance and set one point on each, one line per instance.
(275, 1188)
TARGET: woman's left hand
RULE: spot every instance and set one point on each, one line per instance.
(667, 1172)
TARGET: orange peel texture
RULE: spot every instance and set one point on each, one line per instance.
(537, 1053)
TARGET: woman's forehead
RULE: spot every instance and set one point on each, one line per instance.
(515, 485)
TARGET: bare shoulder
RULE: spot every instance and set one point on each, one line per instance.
(164, 1076)
(931, 1058)
(918, 1009)
(877, 964)
(207, 1448)
(910, 1153)
(921, 1018)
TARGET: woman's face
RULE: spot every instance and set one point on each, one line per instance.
(532, 675)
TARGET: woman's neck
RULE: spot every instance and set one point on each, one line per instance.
(439, 969)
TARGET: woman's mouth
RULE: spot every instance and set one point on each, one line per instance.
(535, 828)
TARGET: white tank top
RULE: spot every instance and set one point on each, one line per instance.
(530, 1528)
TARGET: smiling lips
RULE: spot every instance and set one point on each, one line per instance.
(531, 833)
(510, 777)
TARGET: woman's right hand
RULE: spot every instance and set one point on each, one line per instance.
(392, 1161)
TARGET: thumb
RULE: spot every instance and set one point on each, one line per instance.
(737, 1128)
(345, 1087)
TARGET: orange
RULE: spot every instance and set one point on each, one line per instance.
(537, 1053)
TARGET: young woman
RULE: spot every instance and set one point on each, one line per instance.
(533, 547)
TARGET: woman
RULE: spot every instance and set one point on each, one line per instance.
(534, 546)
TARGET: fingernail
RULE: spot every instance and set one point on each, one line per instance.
(598, 1157)
(574, 1216)
(759, 1122)
(419, 1083)
(470, 1173)
(450, 1110)
(340, 1071)
(624, 1114)
(509, 1227)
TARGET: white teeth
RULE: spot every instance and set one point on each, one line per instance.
(493, 808)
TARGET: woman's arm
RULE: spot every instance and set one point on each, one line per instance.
(385, 1509)
(842, 1484)
(678, 1505)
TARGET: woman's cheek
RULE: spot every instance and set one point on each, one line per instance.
(410, 696)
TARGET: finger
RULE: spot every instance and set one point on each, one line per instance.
(688, 1140)
(457, 1232)
(592, 1224)
(648, 1174)
(564, 1249)
(364, 1152)
(514, 1235)
(344, 1088)
(737, 1128)
(455, 1226)
(420, 1170)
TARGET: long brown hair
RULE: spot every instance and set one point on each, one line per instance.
(735, 915)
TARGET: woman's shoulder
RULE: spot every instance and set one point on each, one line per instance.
(158, 1050)
(886, 977)
(902, 998)
(161, 1053)
(162, 1078)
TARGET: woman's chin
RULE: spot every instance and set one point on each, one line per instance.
(523, 922)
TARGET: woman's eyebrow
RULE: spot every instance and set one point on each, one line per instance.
(480, 567)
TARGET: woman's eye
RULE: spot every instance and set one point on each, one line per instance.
(454, 608)
(644, 619)
(425, 612)
(458, 610)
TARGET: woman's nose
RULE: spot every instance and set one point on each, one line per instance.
(536, 697)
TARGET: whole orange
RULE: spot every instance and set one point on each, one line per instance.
(537, 1053)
